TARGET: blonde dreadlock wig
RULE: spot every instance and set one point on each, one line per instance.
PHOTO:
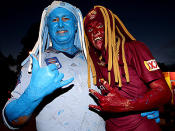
(116, 35)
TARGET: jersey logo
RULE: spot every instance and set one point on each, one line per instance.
(53, 60)
(151, 65)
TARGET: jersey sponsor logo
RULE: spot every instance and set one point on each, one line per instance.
(53, 60)
(151, 65)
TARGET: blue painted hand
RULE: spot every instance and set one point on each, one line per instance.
(45, 80)
(152, 115)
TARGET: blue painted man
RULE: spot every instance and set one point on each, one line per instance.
(57, 51)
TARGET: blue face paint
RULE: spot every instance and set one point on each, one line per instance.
(62, 26)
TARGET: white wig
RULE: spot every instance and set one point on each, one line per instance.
(44, 40)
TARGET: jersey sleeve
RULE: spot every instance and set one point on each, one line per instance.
(144, 63)
(22, 83)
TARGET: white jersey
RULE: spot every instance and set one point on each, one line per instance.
(68, 111)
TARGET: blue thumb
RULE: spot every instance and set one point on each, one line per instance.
(35, 63)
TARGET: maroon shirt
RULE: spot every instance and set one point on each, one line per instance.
(142, 70)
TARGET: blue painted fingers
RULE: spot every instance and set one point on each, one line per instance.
(152, 115)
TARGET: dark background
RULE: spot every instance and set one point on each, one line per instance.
(149, 21)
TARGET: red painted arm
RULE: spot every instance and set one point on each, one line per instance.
(158, 95)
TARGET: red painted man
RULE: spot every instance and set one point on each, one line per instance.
(125, 71)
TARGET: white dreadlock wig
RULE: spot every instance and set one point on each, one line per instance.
(44, 40)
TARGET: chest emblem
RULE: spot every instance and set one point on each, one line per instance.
(53, 60)
(151, 65)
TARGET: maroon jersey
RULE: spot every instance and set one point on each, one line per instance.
(143, 69)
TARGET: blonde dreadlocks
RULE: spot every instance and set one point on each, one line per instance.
(117, 32)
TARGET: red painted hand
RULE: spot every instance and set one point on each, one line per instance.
(112, 102)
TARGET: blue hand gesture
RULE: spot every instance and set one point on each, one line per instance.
(45, 80)
(152, 115)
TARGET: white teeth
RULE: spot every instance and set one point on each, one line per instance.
(61, 31)
(98, 38)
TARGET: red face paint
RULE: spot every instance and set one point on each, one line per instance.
(95, 33)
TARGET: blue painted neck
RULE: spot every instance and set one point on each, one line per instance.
(68, 48)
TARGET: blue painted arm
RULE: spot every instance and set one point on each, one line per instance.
(43, 82)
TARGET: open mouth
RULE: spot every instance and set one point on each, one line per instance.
(61, 31)
(97, 39)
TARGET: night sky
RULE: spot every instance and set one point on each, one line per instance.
(149, 21)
